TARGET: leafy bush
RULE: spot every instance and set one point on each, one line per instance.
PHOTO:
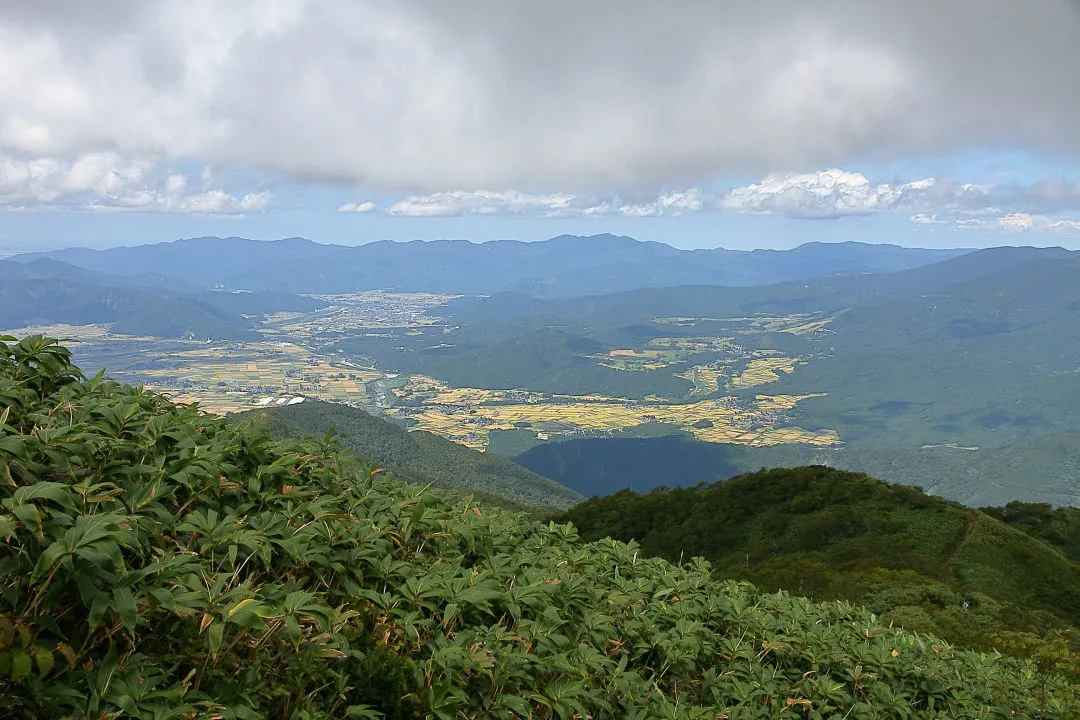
(160, 563)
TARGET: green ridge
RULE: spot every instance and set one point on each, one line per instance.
(926, 563)
(417, 457)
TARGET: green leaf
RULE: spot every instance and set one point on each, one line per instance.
(57, 492)
(214, 634)
(13, 444)
(47, 559)
(21, 664)
(292, 625)
(126, 607)
(249, 613)
(516, 703)
(450, 613)
(98, 607)
(44, 659)
(240, 606)
(7, 527)
(30, 516)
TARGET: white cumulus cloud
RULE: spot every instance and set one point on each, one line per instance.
(1046, 205)
(515, 203)
(1019, 222)
(357, 207)
(484, 202)
(107, 182)
(837, 193)
(832, 193)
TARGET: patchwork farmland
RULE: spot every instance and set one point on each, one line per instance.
(293, 363)
(468, 415)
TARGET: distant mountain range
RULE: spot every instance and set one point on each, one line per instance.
(564, 266)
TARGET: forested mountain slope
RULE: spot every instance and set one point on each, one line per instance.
(158, 562)
(922, 562)
(46, 291)
(419, 457)
(26, 302)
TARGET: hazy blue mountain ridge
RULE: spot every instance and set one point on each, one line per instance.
(564, 266)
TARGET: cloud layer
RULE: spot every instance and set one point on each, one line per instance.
(557, 205)
(827, 194)
(423, 96)
(105, 182)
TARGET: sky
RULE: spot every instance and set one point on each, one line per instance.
(699, 123)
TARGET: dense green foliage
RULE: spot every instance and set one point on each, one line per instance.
(1057, 527)
(417, 457)
(161, 563)
(925, 563)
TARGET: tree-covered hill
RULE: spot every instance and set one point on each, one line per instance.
(1058, 527)
(161, 563)
(416, 457)
(986, 362)
(40, 301)
(47, 291)
(1005, 578)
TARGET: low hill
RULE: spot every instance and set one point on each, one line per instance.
(544, 360)
(46, 291)
(158, 562)
(38, 301)
(418, 457)
(49, 269)
(922, 562)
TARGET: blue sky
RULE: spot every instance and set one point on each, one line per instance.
(311, 210)
(346, 122)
